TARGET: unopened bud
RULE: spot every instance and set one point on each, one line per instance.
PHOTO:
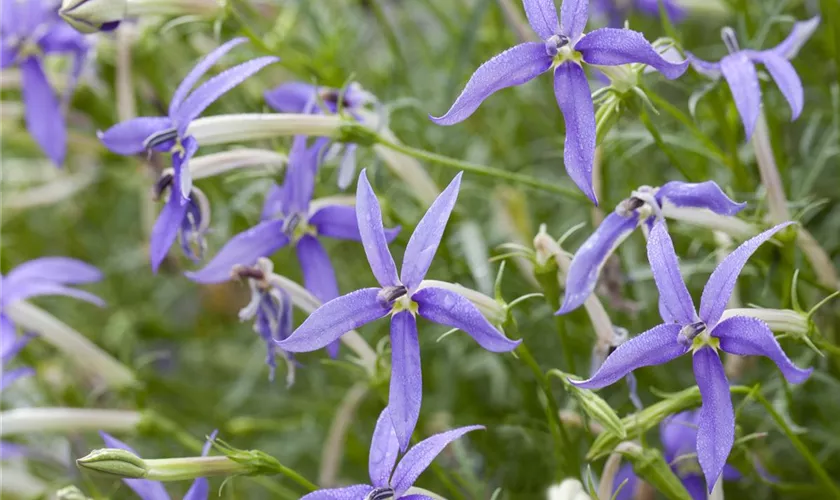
(71, 493)
(597, 409)
(494, 311)
(90, 16)
(650, 465)
(779, 320)
(568, 489)
(115, 462)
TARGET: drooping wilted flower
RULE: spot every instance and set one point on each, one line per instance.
(738, 69)
(30, 30)
(684, 330)
(565, 47)
(643, 206)
(389, 479)
(616, 11)
(169, 133)
(186, 221)
(401, 297)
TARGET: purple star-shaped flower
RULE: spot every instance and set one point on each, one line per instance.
(684, 330)
(565, 47)
(679, 442)
(403, 298)
(299, 97)
(169, 133)
(616, 11)
(30, 30)
(187, 222)
(153, 490)
(642, 207)
(738, 68)
(387, 481)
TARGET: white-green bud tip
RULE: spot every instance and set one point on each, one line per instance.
(91, 16)
(114, 462)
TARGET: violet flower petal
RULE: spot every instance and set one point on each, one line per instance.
(743, 82)
(653, 347)
(719, 287)
(245, 248)
(12, 344)
(357, 492)
(698, 195)
(8, 377)
(290, 97)
(425, 240)
(705, 68)
(339, 221)
(42, 111)
(716, 429)
(180, 164)
(8, 52)
(273, 203)
(56, 269)
(799, 34)
(214, 88)
(575, 100)
(747, 336)
(36, 288)
(198, 71)
(695, 485)
(678, 434)
(786, 79)
(573, 17)
(416, 497)
(129, 137)
(514, 66)
(144, 488)
(421, 456)
(451, 309)
(165, 229)
(592, 255)
(300, 176)
(199, 490)
(335, 318)
(318, 273)
(8, 332)
(730, 473)
(628, 490)
(673, 293)
(611, 47)
(347, 166)
(384, 449)
(369, 220)
(542, 16)
(406, 390)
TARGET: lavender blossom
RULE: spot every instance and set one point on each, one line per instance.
(403, 298)
(684, 330)
(616, 11)
(565, 47)
(388, 481)
(738, 68)
(154, 490)
(29, 30)
(642, 207)
(187, 222)
(169, 133)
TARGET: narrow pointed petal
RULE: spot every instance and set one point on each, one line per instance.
(347, 167)
(369, 220)
(42, 111)
(214, 88)
(611, 47)
(786, 79)
(628, 490)
(8, 333)
(746, 336)
(573, 17)
(358, 492)
(514, 66)
(339, 221)
(800, 34)
(542, 16)
(695, 485)
(705, 68)
(416, 497)
(743, 82)
(37, 288)
(719, 288)
(8, 377)
(291, 97)
(575, 100)
(590, 258)
(673, 294)
(144, 488)
(200, 490)
(55, 269)
(273, 203)
(198, 71)
(335, 318)
(698, 195)
(245, 248)
(425, 240)
(129, 137)
(406, 391)
(716, 429)
(181, 166)
(165, 229)
(653, 347)
(384, 449)
(678, 434)
(451, 309)
(318, 273)
(421, 456)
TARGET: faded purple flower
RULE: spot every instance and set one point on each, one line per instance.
(642, 207)
(29, 30)
(402, 298)
(153, 490)
(616, 11)
(738, 68)
(684, 330)
(187, 222)
(388, 481)
(565, 47)
(169, 133)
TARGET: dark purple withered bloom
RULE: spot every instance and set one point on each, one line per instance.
(387, 481)
(738, 69)
(403, 298)
(187, 222)
(169, 133)
(30, 30)
(679, 444)
(299, 97)
(616, 11)
(643, 206)
(565, 47)
(153, 490)
(684, 330)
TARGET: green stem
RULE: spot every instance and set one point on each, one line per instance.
(547, 279)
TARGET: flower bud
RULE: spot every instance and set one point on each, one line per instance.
(71, 493)
(41, 420)
(489, 307)
(225, 129)
(568, 489)
(649, 464)
(596, 408)
(90, 16)
(779, 320)
(114, 461)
